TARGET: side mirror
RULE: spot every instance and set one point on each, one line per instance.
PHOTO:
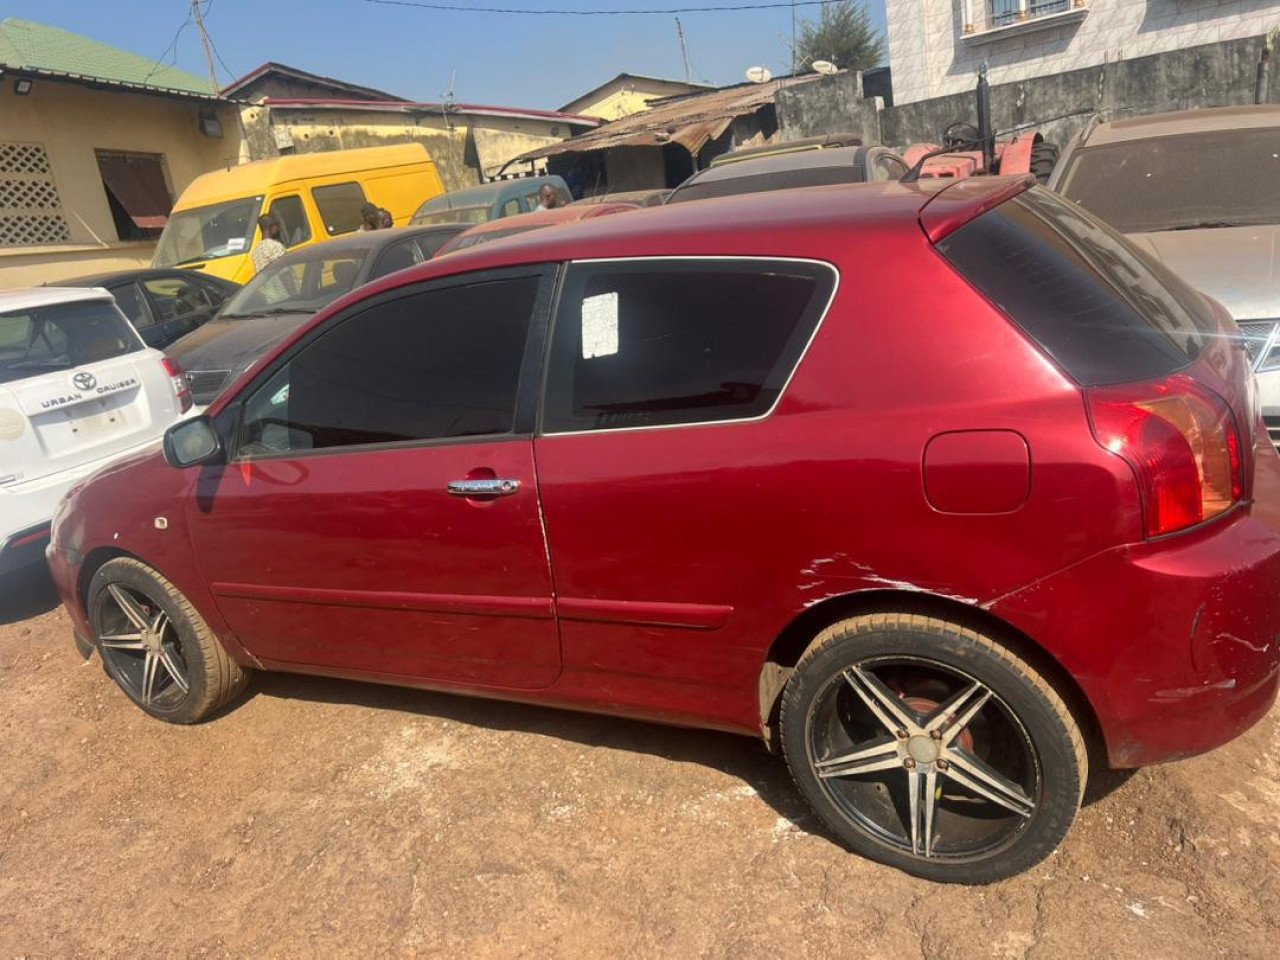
(192, 442)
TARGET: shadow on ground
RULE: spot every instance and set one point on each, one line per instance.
(27, 593)
(738, 756)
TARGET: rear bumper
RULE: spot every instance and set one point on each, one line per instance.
(23, 548)
(1176, 643)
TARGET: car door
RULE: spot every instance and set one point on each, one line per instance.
(663, 476)
(379, 513)
(179, 304)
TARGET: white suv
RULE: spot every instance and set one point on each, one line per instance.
(78, 389)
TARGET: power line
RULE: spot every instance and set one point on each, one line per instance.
(172, 43)
(669, 11)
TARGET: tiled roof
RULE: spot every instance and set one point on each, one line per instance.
(38, 48)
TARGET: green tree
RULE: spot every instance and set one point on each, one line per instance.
(842, 34)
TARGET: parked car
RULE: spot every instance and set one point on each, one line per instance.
(288, 292)
(525, 222)
(874, 472)
(162, 305)
(789, 169)
(1198, 190)
(641, 198)
(78, 389)
(490, 201)
(314, 196)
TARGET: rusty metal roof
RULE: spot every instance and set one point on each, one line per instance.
(690, 121)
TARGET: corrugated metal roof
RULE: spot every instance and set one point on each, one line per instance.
(40, 49)
(690, 121)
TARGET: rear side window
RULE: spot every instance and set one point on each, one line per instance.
(1102, 310)
(62, 336)
(339, 205)
(664, 342)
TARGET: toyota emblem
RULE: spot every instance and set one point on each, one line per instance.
(84, 381)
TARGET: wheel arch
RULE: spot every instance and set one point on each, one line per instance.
(94, 561)
(790, 645)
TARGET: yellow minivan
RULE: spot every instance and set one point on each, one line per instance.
(315, 196)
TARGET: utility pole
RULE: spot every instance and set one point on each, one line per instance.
(793, 37)
(208, 48)
(684, 48)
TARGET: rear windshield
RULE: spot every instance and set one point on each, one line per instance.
(759, 183)
(58, 337)
(1198, 181)
(298, 285)
(465, 240)
(1103, 310)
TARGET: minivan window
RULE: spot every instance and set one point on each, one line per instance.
(207, 233)
(339, 206)
(433, 365)
(1093, 302)
(292, 216)
(660, 342)
(61, 336)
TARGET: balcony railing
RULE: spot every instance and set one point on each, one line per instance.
(981, 16)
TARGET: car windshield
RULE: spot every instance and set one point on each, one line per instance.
(1197, 181)
(298, 285)
(206, 233)
(43, 340)
(479, 214)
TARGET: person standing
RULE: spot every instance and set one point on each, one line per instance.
(269, 247)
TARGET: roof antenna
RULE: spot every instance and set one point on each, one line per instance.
(684, 48)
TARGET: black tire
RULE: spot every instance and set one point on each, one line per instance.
(1044, 157)
(1021, 731)
(177, 672)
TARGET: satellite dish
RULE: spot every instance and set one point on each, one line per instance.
(824, 67)
(759, 74)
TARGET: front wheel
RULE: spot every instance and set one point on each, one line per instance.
(156, 647)
(929, 747)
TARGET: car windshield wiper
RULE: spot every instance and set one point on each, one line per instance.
(203, 256)
(273, 312)
(1208, 225)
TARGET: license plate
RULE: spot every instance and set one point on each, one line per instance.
(96, 424)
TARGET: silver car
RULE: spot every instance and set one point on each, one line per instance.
(1199, 189)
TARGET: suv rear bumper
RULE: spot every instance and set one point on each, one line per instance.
(24, 548)
(1175, 642)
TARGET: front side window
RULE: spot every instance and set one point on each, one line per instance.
(175, 297)
(62, 336)
(292, 216)
(434, 365)
(339, 206)
(663, 342)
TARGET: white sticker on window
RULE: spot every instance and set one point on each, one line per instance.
(600, 325)
(235, 243)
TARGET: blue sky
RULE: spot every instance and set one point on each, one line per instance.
(535, 61)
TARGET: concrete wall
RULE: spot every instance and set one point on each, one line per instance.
(466, 148)
(71, 122)
(933, 54)
(627, 95)
(1214, 75)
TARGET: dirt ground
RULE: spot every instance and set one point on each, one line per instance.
(339, 819)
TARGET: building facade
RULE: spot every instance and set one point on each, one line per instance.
(937, 46)
(629, 93)
(95, 143)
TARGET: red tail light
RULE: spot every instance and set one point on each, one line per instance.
(1181, 440)
(181, 391)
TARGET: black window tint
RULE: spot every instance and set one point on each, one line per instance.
(129, 300)
(398, 256)
(339, 206)
(292, 217)
(667, 342)
(437, 364)
(1101, 309)
(62, 336)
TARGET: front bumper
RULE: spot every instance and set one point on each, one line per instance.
(1176, 643)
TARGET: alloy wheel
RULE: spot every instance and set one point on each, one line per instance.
(923, 758)
(141, 646)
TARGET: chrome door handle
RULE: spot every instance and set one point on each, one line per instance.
(495, 487)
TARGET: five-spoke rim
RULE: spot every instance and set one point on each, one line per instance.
(923, 757)
(141, 644)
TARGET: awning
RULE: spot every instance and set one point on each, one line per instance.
(138, 185)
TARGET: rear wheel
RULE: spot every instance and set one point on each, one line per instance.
(156, 647)
(929, 747)
(1044, 157)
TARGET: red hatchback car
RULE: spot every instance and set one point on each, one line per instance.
(942, 488)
